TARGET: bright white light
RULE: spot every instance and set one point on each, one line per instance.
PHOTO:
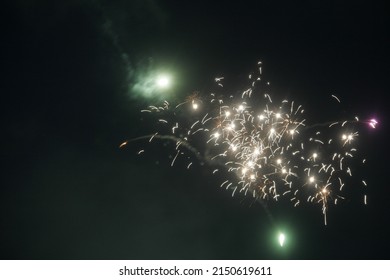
(278, 161)
(315, 155)
(278, 115)
(241, 108)
(163, 81)
(195, 106)
(311, 179)
(348, 137)
(231, 126)
(282, 238)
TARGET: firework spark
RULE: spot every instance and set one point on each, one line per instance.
(269, 148)
(281, 238)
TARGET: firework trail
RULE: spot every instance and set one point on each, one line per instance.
(270, 149)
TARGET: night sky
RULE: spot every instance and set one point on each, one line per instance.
(68, 71)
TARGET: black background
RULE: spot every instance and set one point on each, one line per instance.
(68, 192)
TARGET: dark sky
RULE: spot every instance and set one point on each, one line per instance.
(67, 101)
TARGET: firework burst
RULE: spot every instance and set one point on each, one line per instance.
(270, 149)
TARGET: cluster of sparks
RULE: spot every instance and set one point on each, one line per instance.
(270, 150)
